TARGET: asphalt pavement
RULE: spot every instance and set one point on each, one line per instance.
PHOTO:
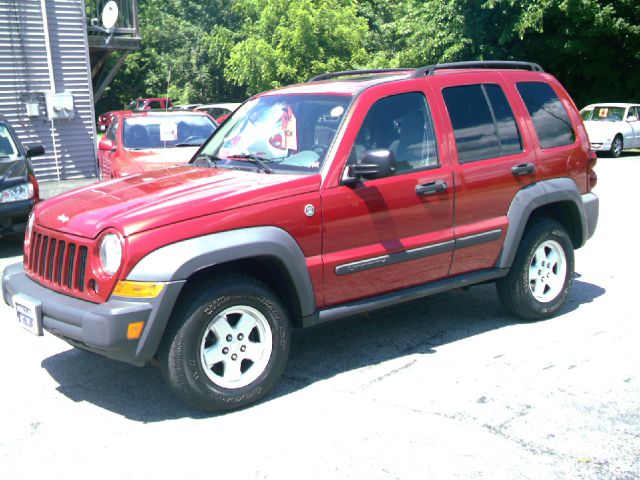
(446, 387)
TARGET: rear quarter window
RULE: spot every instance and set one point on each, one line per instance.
(483, 123)
(550, 119)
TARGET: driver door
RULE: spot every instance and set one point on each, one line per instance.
(393, 232)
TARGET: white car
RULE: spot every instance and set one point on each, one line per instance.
(219, 111)
(612, 127)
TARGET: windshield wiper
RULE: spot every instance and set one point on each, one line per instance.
(255, 159)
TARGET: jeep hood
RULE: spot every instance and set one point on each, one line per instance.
(136, 161)
(153, 199)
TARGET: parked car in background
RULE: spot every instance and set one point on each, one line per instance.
(219, 111)
(18, 185)
(141, 141)
(612, 127)
(155, 103)
(189, 106)
(140, 104)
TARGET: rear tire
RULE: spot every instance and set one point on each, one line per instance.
(228, 345)
(542, 272)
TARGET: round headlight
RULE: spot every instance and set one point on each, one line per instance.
(110, 253)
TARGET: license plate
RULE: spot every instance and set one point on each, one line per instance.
(29, 311)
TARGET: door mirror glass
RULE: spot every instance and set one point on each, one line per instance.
(35, 151)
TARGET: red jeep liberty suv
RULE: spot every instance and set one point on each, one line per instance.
(351, 192)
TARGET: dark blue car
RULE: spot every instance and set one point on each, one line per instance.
(18, 184)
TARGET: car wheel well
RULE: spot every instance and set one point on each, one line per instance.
(268, 270)
(565, 213)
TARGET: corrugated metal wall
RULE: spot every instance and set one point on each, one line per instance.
(24, 77)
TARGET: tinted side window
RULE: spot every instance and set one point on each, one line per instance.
(403, 124)
(550, 119)
(483, 123)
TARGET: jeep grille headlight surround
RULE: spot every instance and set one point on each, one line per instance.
(110, 253)
(24, 191)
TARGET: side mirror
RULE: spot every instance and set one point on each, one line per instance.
(106, 144)
(632, 118)
(376, 163)
(35, 151)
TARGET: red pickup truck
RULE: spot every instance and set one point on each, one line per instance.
(155, 103)
(311, 203)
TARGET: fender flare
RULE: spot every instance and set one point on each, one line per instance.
(178, 261)
(532, 197)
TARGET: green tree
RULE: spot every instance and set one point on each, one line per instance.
(289, 41)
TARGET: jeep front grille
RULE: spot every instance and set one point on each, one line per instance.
(57, 261)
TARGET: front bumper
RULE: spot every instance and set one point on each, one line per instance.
(13, 216)
(100, 328)
(603, 146)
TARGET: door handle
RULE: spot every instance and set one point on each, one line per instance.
(431, 188)
(523, 169)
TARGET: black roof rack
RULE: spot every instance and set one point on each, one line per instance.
(430, 69)
(351, 73)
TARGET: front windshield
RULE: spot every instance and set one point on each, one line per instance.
(166, 131)
(291, 132)
(8, 148)
(603, 114)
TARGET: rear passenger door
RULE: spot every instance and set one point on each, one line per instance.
(492, 159)
(389, 233)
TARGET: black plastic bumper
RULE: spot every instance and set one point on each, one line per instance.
(13, 216)
(100, 328)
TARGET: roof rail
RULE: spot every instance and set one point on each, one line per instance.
(350, 73)
(430, 69)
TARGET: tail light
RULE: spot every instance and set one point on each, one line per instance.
(36, 188)
(592, 178)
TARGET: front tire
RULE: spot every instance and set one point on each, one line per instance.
(542, 272)
(616, 147)
(228, 345)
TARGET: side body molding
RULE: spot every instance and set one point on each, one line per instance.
(538, 195)
(179, 260)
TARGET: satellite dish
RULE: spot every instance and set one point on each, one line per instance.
(110, 14)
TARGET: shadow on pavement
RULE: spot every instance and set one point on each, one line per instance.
(320, 353)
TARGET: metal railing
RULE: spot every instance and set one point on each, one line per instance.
(127, 23)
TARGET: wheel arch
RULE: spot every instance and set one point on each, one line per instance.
(269, 254)
(558, 199)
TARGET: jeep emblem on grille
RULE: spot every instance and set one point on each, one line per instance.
(63, 218)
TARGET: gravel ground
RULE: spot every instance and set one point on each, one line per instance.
(446, 387)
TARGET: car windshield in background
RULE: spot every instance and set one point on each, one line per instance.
(603, 114)
(8, 149)
(292, 133)
(166, 131)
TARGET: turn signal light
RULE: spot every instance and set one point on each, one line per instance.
(134, 330)
(126, 288)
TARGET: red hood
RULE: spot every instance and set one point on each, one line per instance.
(136, 161)
(153, 199)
